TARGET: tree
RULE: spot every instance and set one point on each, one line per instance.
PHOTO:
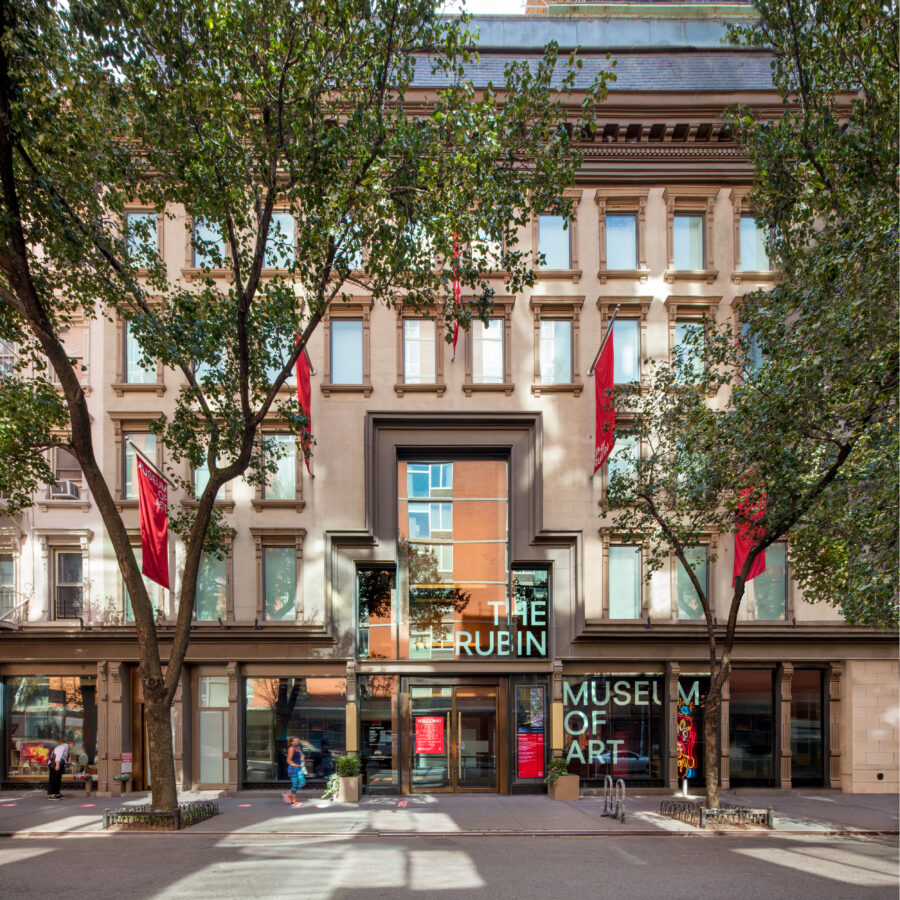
(235, 112)
(788, 427)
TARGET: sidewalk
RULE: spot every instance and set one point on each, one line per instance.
(264, 813)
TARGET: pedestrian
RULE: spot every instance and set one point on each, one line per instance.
(296, 771)
(56, 766)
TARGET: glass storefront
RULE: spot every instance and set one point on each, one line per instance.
(379, 732)
(806, 727)
(41, 710)
(614, 725)
(276, 709)
(752, 726)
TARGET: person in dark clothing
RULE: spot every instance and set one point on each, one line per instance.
(56, 766)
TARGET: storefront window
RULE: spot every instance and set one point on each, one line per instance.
(41, 710)
(212, 699)
(379, 732)
(276, 709)
(752, 734)
(613, 725)
(689, 741)
(806, 727)
(377, 602)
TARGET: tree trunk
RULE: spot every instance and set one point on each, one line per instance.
(711, 744)
(162, 758)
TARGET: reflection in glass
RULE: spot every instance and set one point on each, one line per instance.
(621, 242)
(806, 727)
(768, 592)
(687, 242)
(135, 371)
(624, 581)
(556, 351)
(211, 589)
(627, 356)
(487, 351)
(419, 351)
(346, 351)
(752, 733)
(282, 484)
(431, 709)
(553, 242)
(280, 582)
(754, 256)
(689, 605)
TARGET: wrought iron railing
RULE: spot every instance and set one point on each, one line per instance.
(145, 818)
(696, 814)
(13, 608)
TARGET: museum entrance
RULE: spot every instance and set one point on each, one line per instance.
(456, 730)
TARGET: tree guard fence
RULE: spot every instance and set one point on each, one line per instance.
(145, 818)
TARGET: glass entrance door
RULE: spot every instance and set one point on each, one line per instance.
(453, 744)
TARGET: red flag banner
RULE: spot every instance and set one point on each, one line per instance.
(304, 397)
(152, 501)
(747, 535)
(605, 411)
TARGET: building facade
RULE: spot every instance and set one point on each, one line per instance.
(440, 593)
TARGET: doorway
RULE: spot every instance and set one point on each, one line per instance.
(454, 738)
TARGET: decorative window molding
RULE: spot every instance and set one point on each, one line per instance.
(687, 201)
(121, 385)
(53, 541)
(608, 540)
(277, 537)
(358, 308)
(557, 308)
(680, 308)
(741, 207)
(260, 501)
(628, 201)
(46, 501)
(126, 423)
(573, 273)
(502, 309)
(437, 386)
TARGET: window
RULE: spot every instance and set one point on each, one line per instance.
(621, 241)
(752, 730)
(627, 357)
(282, 485)
(7, 583)
(281, 244)
(767, 593)
(7, 358)
(487, 351)
(136, 372)
(151, 586)
(212, 583)
(753, 355)
(346, 351)
(687, 241)
(690, 358)
(429, 479)
(141, 240)
(74, 339)
(754, 256)
(427, 519)
(419, 351)
(624, 582)
(553, 243)
(689, 605)
(209, 245)
(66, 468)
(556, 351)
(280, 583)
(146, 443)
(806, 728)
(69, 584)
(623, 459)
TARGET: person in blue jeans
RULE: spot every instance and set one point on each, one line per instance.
(295, 769)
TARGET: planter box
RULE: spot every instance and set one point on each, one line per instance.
(350, 789)
(566, 788)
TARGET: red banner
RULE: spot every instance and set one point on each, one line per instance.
(605, 411)
(747, 535)
(530, 756)
(152, 500)
(430, 734)
(304, 397)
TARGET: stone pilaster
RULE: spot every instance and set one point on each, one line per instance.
(785, 677)
(835, 673)
(673, 671)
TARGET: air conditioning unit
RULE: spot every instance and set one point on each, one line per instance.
(65, 490)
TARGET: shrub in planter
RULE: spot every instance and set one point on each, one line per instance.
(346, 782)
(563, 786)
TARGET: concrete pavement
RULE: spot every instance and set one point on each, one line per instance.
(264, 813)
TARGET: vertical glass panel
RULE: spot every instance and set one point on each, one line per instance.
(768, 592)
(283, 483)
(7, 358)
(553, 242)
(212, 737)
(689, 605)
(346, 351)
(627, 356)
(806, 727)
(531, 612)
(752, 732)
(624, 582)
(687, 242)
(209, 246)
(487, 352)
(692, 691)
(280, 577)
(135, 372)
(276, 709)
(68, 585)
(379, 725)
(431, 708)
(753, 355)
(556, 351)
(146, 443)
(419, 351)
(212, 691)
(476, 737)
(623, 459)
(41, 710)
(280, 247)
(377, 599)
(621, 242)
(7, 583)
(65, 466)
(211, 589)
(530, 718)
(686, 337)
(151, 586)
(141, 242)
(754, 257)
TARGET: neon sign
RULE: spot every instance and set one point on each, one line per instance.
(686, 739)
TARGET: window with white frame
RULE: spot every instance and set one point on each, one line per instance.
(136, 371)
(624, 457)
(146, 443)
(766, 595)
(621, 241)
(68, 585)
(209, 245)
(419, 351)
(754, 256)
(553, 243)
(429, 480)
(282, 485)
(689, 605)
(487, 351)
(281, 243)
(687, 241)
(556, 351)
(624, 581)
(280, 583)
(429, 520)
(346, 351)
(66, 470)
(141, 238)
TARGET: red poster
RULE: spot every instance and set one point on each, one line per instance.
(430, 734)
(530, 756)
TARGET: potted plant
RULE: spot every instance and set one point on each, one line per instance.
(563, 786)
(349, 779)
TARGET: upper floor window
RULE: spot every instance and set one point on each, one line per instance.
(429, 479)
(554, 243)
(687, 241)
(754, 256)
(7, 583)
(753, 355)
(282, 485)
(68, 584)
(687, 339)
(627, 358)
(212, 583)
(487, 351)
(136, 371)
(280, 583)
(419, 351)
(621, 241)
(146, 443)
(624, 457)
(346, 351)
(767, 593)
(281, 243)
(74, 339)
(624, 581)
(556, 351)
(67, 476)
(209, 245)
(689, 605)
(151, 587)
(141, 238)
(7, 358)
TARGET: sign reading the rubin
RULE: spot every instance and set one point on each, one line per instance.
(521, 633)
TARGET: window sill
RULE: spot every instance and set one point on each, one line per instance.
(195, 274)
(640, 275)
(567, 388)
(768, 277)
(434, 388)
(559, 274)
(260, 503)
(329, 389)
(126, 504)
(473, 387)
(226, 505)
(85, 387)
(82, 504)
(707, 275)
(124, 387)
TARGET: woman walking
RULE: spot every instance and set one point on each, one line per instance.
(295, 767)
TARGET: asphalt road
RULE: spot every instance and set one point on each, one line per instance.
(244, 867)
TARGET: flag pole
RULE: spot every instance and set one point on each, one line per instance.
(605, 339)
(152, 465)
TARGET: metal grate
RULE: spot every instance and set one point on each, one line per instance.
(695, 814)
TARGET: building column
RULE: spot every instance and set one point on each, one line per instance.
(673, 671)
(118, 722)
(234, 754)
(352, 710)
(103, 773)
(833, 777)
(556, 710)
(783, 716)
(725, 737)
